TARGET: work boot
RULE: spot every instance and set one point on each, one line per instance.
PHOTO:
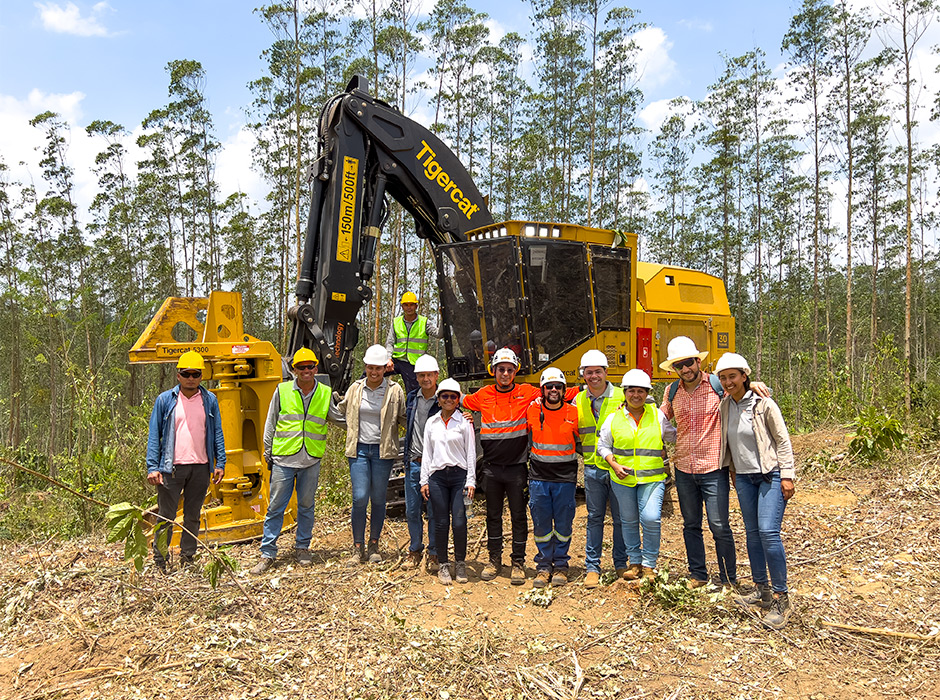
(302, 556)
(443, 575)
(541, 578)
(433, 564)
(620, 573)
(559, 577)
(761, 597)
(779, 613)
(161, 566)
(693, 583)
(263, 565)
(517, 577)
(461, 569)
(412, 561)
(491, 570)
(187, 561)
(592, 579)
(373, 553)
(648, 574)
(358, 555)
(632, 572)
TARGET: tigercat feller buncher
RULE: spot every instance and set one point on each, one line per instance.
(550, 291)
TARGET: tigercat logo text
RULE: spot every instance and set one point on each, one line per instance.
(347, 209)
(433, 171)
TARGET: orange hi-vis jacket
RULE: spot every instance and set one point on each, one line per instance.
(503, 432)
(553, 449)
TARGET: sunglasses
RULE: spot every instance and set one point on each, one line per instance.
(682, 364)
(448, 396)
(190, 373)
(304, 368)
(555, 387)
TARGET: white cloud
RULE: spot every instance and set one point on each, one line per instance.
(655, 66)
(698, 25)
(69, 19)
(233, 169)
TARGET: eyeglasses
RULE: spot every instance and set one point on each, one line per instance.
(448, 396)
(682, 364)
(190, 373)
(505, 370)
(304, 368)
(555, 387)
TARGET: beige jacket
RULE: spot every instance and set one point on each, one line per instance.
(773, 440)
(393, 418)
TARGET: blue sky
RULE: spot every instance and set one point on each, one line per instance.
(107, 60)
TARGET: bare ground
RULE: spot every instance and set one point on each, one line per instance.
(863, 548)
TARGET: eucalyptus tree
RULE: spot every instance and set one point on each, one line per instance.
(12, 311)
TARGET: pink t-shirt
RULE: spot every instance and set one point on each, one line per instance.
(190, 419)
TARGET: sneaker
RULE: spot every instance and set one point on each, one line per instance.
(461, 572)
(412, 561)
(433, 564)
(491, 570)
(761, 597)
(303, 557)
(517, 577)
(559, 577)
(541, 578)
(443, 575)
(648, 574)
(373, 552)
(592, 579)
(693, 583)
(263, 565)
(776, 618)
(358, 555)
(632, 572)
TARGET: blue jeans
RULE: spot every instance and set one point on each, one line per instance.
(762, 508)
(369, 476)
(597, 494)
(712, 490)
(552, 506)
(641, 505)
(446, 493)
(413, 500)
(283, 482)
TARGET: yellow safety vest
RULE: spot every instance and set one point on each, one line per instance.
(638, 448)
(414, 345)
(587, 426)
(297, 428)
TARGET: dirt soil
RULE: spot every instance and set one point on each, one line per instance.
(864, 566)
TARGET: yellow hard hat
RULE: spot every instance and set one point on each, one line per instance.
(191, 360)
(409, 298)
(304, 355)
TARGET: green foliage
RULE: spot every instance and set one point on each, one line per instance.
(541, 597)
(674, 594)
(876, 433)
(218, 563)
(126, 522)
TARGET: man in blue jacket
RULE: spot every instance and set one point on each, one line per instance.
(420, 404)
(185, 444)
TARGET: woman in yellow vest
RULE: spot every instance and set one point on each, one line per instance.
(631, 442)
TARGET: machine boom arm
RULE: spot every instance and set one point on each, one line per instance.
(366, 150)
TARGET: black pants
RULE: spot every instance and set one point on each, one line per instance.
(509, 481)
(446, 486)
(407, 372)
(192, 481)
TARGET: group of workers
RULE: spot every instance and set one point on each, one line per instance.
(726, 429)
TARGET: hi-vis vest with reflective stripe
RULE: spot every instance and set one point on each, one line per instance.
(296, 429)
(638, 448)
(553, 439)
(410, 345)
(587, 427)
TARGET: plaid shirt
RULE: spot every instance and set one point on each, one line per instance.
(698, 443)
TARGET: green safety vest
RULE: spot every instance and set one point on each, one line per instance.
(638, 448)
(297, 428)
(587, 427)
(412, 346)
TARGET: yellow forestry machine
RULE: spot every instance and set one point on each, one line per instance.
(550, 291)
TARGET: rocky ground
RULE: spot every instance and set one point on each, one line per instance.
(864, 562)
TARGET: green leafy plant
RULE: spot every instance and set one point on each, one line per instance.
(541, 597)
(218, 564)
(674, 594)
(876, 432)
(126, 522)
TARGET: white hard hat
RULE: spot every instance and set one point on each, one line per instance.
(680, 348)
(593, 358)
(732, 360)
(375, 355)
(426, 363)
(552, 375)
(636, 377)
(448, 385)
(505, 355)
